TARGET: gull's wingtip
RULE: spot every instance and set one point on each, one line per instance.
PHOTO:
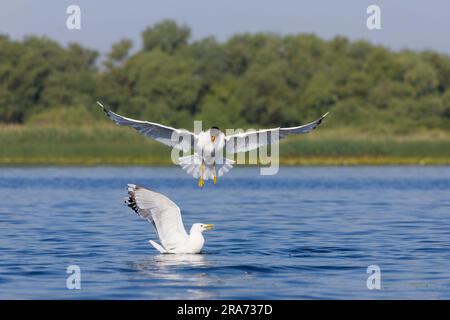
(104, 108)
(319, 121)
(134, 187)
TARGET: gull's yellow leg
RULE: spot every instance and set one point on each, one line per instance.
(200, 181)
(215, 174)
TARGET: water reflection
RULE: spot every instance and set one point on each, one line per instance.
(182, 271)
(169, 260)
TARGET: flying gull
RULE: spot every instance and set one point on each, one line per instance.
(208, 161)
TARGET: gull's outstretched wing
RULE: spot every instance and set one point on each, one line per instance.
(161, 212)
(164, 134)
(247, 141)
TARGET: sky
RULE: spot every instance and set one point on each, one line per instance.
(413, 24)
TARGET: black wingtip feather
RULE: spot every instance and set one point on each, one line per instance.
(105, 110)
(132, 200)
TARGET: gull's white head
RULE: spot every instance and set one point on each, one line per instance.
(214, 132)
(200, 227)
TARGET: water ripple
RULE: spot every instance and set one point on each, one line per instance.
(307, 232)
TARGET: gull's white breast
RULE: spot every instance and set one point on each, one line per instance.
(206, 147)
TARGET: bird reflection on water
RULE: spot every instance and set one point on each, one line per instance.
(192, 260)
(183, 271)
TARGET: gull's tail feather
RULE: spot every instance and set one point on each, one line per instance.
(208, 172)
(157, 246)
(192, 164)
(226, 166)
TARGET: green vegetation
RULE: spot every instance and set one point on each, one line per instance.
(385, 106)
(107, 144)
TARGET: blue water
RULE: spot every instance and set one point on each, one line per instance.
(306, 233)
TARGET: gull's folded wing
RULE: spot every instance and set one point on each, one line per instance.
(164, 134)
(247, 141)
(161, 212)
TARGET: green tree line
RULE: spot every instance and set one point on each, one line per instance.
(250, 80)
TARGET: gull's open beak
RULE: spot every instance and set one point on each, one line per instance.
(213, 138)
(209, 227)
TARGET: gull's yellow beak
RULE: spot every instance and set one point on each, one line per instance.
(209, 227)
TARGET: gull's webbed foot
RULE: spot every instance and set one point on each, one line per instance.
(215, 180)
